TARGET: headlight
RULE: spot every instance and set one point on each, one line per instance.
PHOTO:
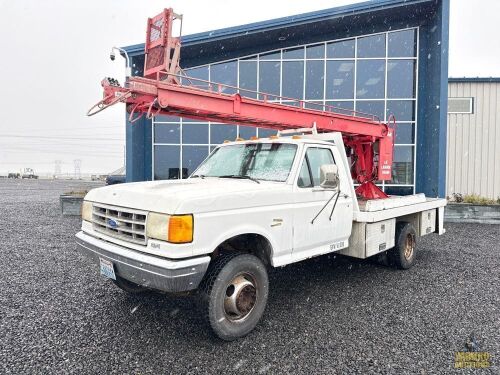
(171, 228)
(157, 226)
(87, 211)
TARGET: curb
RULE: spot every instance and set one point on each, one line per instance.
(471, 213)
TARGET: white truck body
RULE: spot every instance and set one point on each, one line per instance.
(280, 214)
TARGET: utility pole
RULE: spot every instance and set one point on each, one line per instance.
(78, 164)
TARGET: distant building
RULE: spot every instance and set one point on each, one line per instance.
(474, 137)
(380, 57)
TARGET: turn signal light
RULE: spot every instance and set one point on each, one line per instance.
(180, 229)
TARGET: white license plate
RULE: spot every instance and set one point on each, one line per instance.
(107, 269)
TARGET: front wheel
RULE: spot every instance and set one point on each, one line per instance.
(235, 291)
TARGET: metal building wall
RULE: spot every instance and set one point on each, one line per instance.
(473, 156)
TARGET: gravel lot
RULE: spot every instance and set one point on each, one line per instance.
(327, 315)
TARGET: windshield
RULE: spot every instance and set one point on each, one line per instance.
(260, 161)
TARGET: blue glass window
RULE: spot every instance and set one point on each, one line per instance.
(402, 166)
(167, 162)
(265, 133)
(315, 52)
(192, 156)
(167, 133)
(403, 110)
(370, 79)
(401, 79)
(293, 79)
(195, 133)
(220, 133)
(248, 78)
(271, 56)
(340, 79)
(246, 132)
(405, 133)
(343, 49)
(402, 44)
(371, 46)
(196, 73)
(342, 107)
(315, 79)
(317, 105)
(269, 78)
(371, 107)
(226, 73)
(293, 53)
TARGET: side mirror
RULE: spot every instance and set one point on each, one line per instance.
(329, 176)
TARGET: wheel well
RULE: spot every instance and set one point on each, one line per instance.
(251, 243)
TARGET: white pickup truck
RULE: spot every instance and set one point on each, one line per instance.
(249, 206)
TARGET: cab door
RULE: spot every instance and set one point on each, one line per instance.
(318, 232)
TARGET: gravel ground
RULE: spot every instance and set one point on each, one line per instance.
(327, 315)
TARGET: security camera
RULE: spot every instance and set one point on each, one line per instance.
(112, 55)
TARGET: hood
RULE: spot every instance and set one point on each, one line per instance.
(195, 195)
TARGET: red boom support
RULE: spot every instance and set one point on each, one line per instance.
(164, 91)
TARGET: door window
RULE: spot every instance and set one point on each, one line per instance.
(315, 157)
(304, 179)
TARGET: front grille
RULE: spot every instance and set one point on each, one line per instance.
(122, 223)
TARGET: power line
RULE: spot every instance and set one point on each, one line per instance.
(62, 144)
(68, 138)
(90, 154)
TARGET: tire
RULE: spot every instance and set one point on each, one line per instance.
(128, 286)
(234, 294)
(404, 254)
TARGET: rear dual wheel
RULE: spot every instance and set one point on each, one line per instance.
(403, 255)
(235, 291)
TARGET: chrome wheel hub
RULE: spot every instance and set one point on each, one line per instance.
(409, 246)
(240, 297)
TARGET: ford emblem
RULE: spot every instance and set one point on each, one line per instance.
(112, 223)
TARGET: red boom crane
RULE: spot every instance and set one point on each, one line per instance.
(164, 90)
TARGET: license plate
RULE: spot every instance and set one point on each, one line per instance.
(107, 269)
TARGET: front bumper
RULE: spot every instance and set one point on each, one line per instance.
(146, 270)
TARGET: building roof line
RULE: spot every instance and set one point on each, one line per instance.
(234, 31)
(474, 79)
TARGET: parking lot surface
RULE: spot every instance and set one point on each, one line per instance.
(327, 315)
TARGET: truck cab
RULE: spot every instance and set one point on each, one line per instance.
(250, 205)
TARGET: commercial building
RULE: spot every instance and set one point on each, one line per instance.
(382, 57)
(474, 137)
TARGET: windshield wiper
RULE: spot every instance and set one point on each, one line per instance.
(198, 175)
(246, 177)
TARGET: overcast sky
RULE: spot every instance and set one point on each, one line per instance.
(55, 52)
